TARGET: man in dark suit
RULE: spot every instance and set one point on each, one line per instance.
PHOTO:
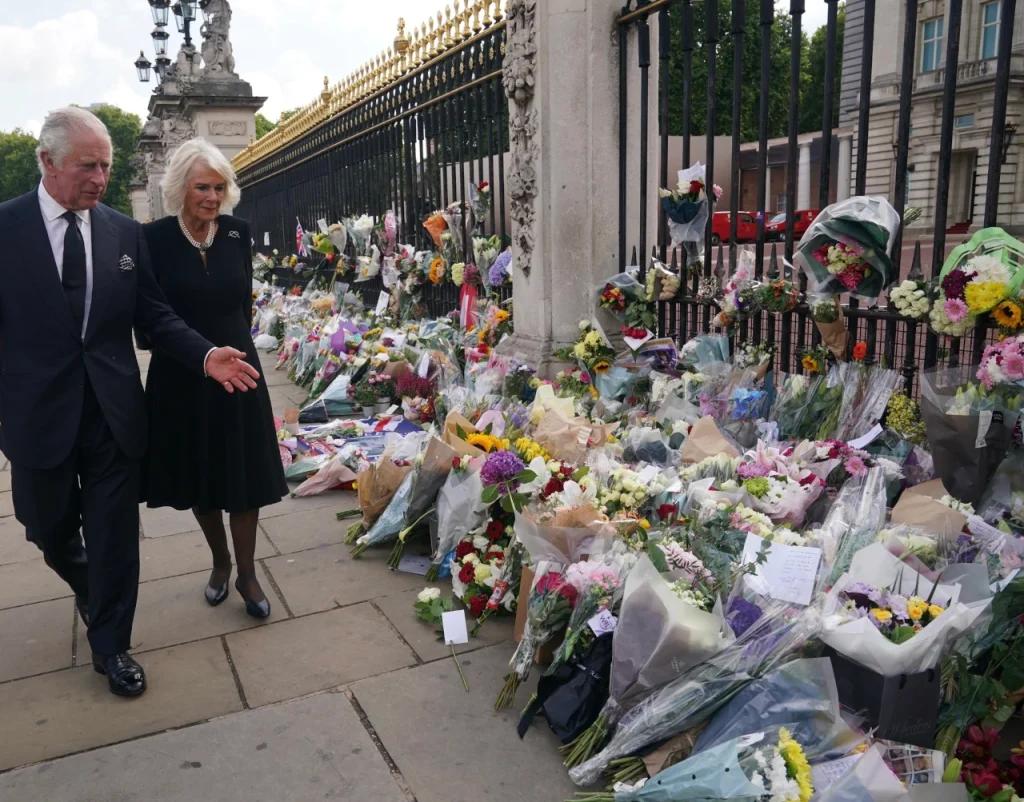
(74, 279)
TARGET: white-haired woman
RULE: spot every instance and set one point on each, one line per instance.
(210, 451)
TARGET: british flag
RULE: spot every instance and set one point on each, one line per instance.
(299, 234)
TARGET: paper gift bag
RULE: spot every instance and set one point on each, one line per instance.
(452, 424)
(396, 370)
(564, 438)
(919, 506)
(291, 421)
(377, 486)
(672, 752)
(706, 441)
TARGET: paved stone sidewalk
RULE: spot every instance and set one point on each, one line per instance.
(343, 694)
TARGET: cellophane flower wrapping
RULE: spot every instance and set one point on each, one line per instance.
(549, 609)
(869, 780)
(857, 637)
(359, 230)
(800, 696)
(853, 522)
(866, 393)
(431, 475)
(847, 248)
(969, 429)
(658, 637)
(696, 694)
(453, 217)
(688, 219)
(459, 508)
(391, 521)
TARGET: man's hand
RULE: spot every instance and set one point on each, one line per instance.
(227, 367)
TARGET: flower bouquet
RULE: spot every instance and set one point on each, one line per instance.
(969, 428)
(911, 299)
(689, 699)
(591, 350)
(738, 300)
(687, 206)
(1003, 364)
(500, 271)
(981, 276)
(359, 230)
(431, 473)
(377, 487)
(459, 509)
(436, 225)
(662, 283)
(453, 249)
(480, 200)
(763, 766)
(480, 564)
(847, 247)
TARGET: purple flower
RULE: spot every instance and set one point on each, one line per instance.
(898, 605)
(501, 467)
(518, 416)
(742, 615)
(752, 470)
(956, 282)
(499, 270)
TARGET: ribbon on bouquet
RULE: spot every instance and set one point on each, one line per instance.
(467, 305)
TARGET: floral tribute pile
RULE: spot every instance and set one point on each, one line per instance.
(696, 548)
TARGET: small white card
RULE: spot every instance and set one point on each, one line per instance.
(603, 623)
(824, 775)
(382, 302)
(790, 571)
(423, 368)
(454, 624)
(417, 564)
(635, 344)
(984, 424)
(980, 527)
(868, 439)
(266, 239)
(648, 474)
(323, 225)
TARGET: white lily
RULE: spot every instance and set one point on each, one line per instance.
(543, 476)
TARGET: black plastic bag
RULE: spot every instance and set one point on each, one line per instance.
(572, 698)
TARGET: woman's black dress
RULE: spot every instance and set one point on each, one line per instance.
(208, 448)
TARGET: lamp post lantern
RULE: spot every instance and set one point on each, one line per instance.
(185, 13)
(142, 64)
(159, 8)
(160, 37)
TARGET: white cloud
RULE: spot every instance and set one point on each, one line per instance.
(33, 127)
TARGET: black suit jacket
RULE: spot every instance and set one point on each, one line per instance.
(44, 361)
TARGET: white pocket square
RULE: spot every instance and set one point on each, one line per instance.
(126, 264)
(234, 235)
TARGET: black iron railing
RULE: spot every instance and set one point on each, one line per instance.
(899, 341)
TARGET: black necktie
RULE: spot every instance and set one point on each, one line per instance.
(73, 276)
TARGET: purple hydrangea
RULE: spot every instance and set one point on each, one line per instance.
(501, 468)
(742, 615)
(499, 270)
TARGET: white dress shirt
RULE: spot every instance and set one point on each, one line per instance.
(56, 229)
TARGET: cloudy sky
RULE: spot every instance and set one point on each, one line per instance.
(57, 52)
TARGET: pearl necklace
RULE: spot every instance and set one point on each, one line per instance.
(202, 246)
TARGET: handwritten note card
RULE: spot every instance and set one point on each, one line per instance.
(382, 302)
(454, 624)
(827, 774)
(790, 571)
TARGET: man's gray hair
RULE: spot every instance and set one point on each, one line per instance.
(59, 128)
(192, 154)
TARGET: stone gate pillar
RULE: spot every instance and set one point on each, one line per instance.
(561, 76)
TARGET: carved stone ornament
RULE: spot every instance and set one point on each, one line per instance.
(519, 84)
(178, 131)
(227, 127)
(218, 61)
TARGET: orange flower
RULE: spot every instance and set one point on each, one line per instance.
(860, 350)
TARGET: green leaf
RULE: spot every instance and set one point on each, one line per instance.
(487, 429)
(901, 634)
(506, 504)
(580, 472)
(490, 494)
(460, 432)
(657, 557)
(525, 477)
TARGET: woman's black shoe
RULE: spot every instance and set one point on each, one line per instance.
(254, 608)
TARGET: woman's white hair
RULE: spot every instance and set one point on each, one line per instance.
(59, 128)
(192, 154)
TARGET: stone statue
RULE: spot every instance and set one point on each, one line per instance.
(217, 53)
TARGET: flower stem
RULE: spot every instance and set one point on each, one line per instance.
(357, 552)
(455, 657)
(341, 516)
(580, 750)
(353, 533)
(432, 572)
(508, 692)
(396, 554)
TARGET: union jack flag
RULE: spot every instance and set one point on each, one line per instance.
(299, 233)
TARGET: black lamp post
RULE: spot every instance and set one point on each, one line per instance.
(185, 12)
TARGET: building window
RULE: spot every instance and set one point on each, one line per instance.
(964, 121)
(990, 30)
(931, 45)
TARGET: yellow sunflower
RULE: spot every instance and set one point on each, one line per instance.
(437, 270)
(487, 442)
(501, 315)
(810, 364)
(1008, 315)
(602, 366)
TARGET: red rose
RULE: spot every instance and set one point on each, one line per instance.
(553, 486)
(457, 462)
(666, 511)
(466, 573)
(696, 186)
(495, 529)
(464, 548)
(477, 605)
(497, 555)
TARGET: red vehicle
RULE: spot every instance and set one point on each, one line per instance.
(746, 227)
(776, 227)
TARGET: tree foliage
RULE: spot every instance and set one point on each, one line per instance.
(19, 171)
(263, 126)
(810, 91)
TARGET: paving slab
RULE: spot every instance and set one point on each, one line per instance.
(35, 639)
(309, 528)
(423, 638)
(337, 500)
(6, 504)
(327, 577)
(5, 481)
(29, 582)
(174, 610)
(275, 378)
(13, 546)
(164, 521)
(404, 706)
(304, 655)
(184, 554)
(69, 711)
(307, 749)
